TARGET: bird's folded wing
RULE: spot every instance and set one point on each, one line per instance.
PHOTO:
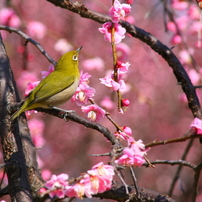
(47, 89)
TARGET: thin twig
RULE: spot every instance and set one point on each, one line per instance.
(134, 181)
(28, 39)
(179, 139)
(180, 167)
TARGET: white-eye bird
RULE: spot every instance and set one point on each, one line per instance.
(55, 89)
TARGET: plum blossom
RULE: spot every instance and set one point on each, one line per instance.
(96, 180)
(81, 188)
(185, 56)
(94, 64)
(125, 134)
(63, 46)
(57, 185)
(179, 5)
(93, 112)
(122, 67)
(133, 155)
(9, 18)
(118, 11)
(36, 29)
(197, 126)
(84, 77)
(30, 87)
(119, 33)
(83, 94)
(107, 103)
(125, 102)
(46, 73)
(109, 82)
(25, 77)
(37, 127)
(123, 51)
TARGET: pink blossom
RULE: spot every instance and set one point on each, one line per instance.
(177, 39)
(101, 177)
(94, 112)
(197, 126)
(180, 5)
(129, 158)
(94, 64)
(107, 31)
(185, 56)
(109, 82)
(46, 174)
(9, 18)
(171, 26)
(81, 188)
(125, 102)
(25, 77)
(63, 46)
(107, 103)
(118, 11)
(84, 77)
(36, 29)
(123, 51)
(83, 94)
(46, 73)
(133, 154)
(57, 184)
(195, 27)
(194, 12)
(125, 134)
(182, 22)
(130, 19)
(30, 87)
(37, 127)
(122, 67)
(194, 76)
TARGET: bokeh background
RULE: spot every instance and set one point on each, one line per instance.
(158, 109)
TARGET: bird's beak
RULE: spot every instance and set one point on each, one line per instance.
(79, 49)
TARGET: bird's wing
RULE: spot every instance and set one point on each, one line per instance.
(47, 89)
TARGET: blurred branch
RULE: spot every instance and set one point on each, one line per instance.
(196, 181)
(179, 139)
(179, 162)
(28, 39)
(24, 179)
(178, 70)
(179, 169)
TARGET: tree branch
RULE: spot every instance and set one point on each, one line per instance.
(18, 150)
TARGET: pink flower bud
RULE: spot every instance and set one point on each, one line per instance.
(125, 102)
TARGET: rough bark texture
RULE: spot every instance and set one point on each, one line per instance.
(18, 150)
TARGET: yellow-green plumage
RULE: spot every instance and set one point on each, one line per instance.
(57, 88)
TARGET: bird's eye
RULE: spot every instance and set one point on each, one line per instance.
(75, 58)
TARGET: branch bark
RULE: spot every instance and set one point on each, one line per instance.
(24, 178)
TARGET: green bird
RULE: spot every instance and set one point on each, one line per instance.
(55, 89)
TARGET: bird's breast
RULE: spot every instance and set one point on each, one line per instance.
(63, 96)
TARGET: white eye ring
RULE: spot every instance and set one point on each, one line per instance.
(75, 58)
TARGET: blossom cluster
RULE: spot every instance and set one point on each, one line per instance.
(133, 154)
(186, 20)
(115, 80)
(117, 12)
(96, 180)
(82, 95)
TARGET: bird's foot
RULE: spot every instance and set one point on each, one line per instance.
(63, 110)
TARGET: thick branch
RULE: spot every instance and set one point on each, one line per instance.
(18, 150)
